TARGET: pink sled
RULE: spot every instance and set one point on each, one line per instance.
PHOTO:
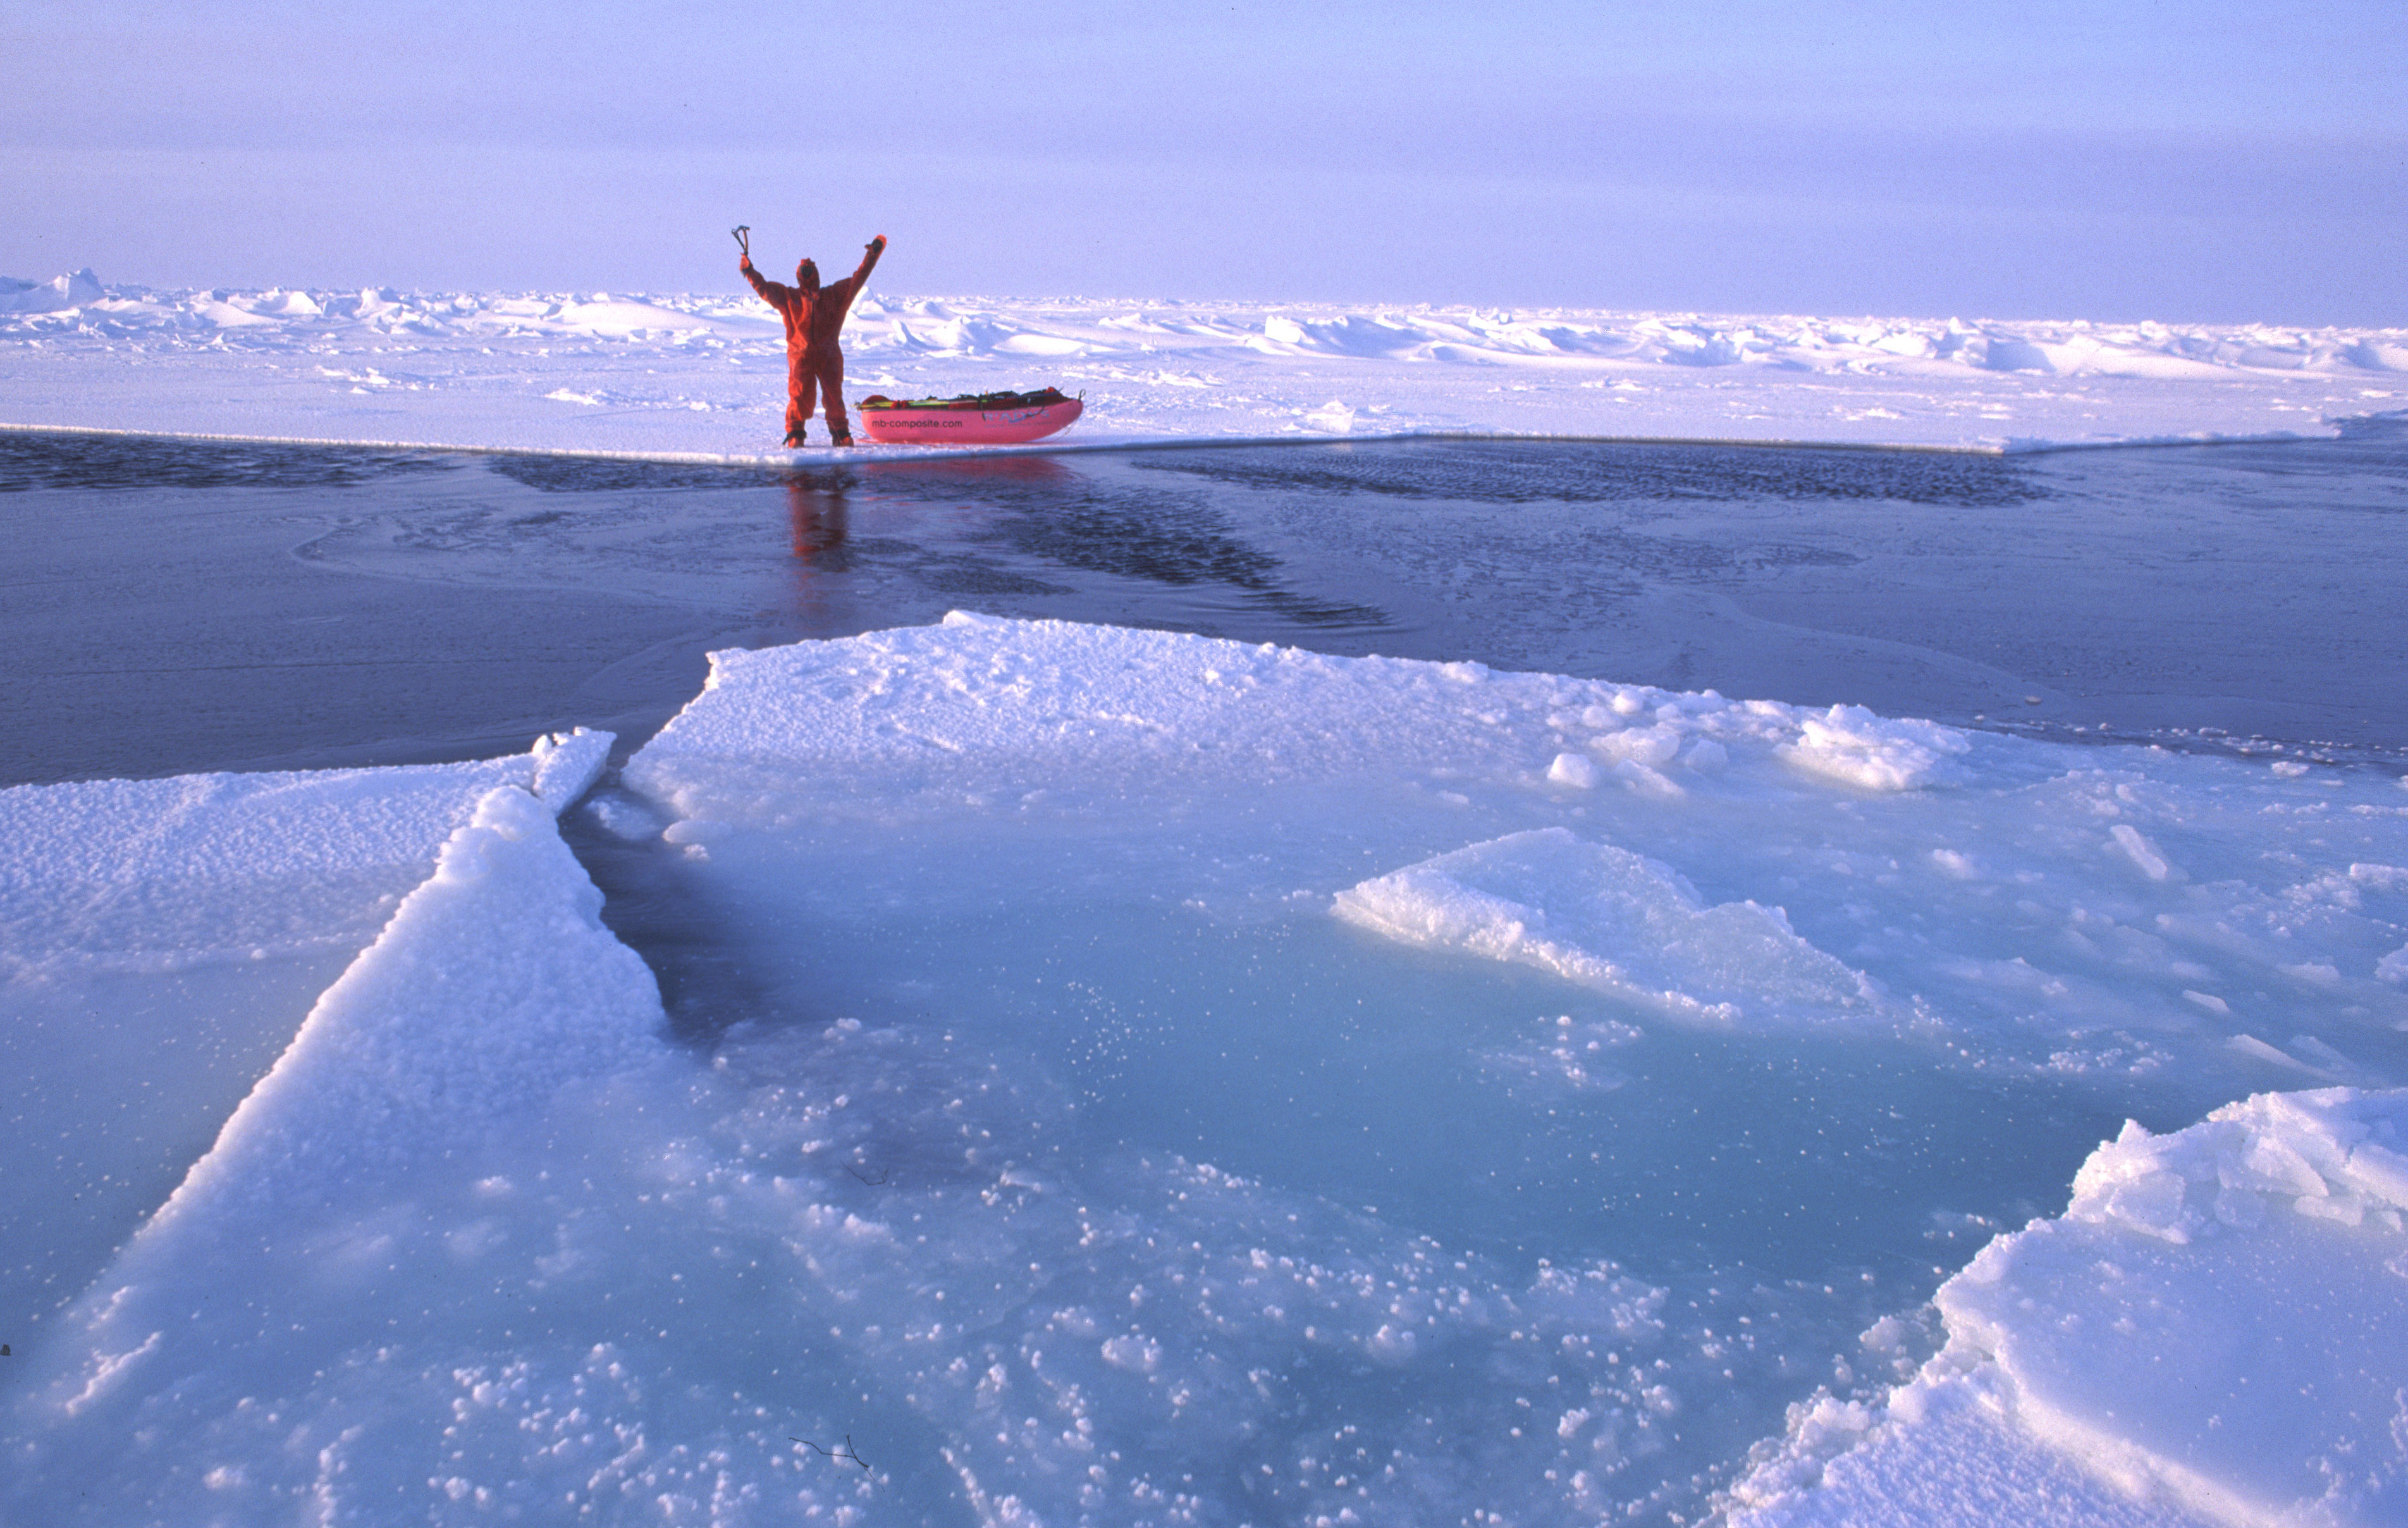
(993, 421)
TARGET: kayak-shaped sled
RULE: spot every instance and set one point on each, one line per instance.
(978, 419)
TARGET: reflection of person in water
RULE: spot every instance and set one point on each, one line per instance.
(817, 507)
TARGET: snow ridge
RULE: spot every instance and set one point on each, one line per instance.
(1059, 327)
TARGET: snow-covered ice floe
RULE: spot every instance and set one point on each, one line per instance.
(1759, 861)
(699, 377)
(1010, 894)
(159, 943)
(2215, 1332)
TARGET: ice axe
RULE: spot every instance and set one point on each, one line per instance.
(743, 240)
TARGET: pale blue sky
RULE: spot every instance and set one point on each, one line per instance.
(2207, 161)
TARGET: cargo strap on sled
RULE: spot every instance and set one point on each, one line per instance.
(989, 402)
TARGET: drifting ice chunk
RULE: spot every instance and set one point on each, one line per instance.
(566, 764)
(1007, 779)
(1614, 921)
(2143, 853)
(1574, 769)
(1879, 753)
(1946, 1454)
(2214, 1332)
(2393, 967)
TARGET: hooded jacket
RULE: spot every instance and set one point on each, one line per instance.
(814, 313)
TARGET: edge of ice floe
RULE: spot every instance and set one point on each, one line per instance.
(493, 987)
(2161, 1216)
(566, 764)
(511, 843)
(2011, 446)
(885, 453)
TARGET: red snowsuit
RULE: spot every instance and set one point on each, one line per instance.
(813, 314)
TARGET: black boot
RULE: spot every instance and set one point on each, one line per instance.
(795, 439)
(843, 437)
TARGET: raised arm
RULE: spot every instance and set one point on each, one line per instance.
(767, 289)
(875, 248)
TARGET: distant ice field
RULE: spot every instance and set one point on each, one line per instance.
(699, 376)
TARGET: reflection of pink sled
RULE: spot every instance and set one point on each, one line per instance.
(985, 419)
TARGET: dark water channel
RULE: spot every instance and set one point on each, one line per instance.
(175, 606)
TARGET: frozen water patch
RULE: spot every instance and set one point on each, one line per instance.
(1020, 818)
(483, 1244)
(2214, 1332)
(1124, 1339)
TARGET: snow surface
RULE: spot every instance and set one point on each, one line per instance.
(159, 875)
(1013, 895)
(701, 376)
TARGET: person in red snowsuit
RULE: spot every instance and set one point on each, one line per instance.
(813, 314)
